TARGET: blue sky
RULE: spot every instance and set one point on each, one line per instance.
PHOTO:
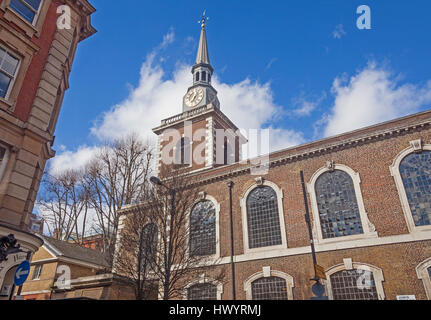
(301, 67)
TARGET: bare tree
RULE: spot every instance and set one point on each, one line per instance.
(136, 254)
(174, 260)
(64, 205)
(118, 176)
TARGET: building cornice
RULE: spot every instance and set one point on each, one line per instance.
(203, 111)
(322, 147)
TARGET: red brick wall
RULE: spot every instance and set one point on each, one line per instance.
(382, 203)
(34, 72)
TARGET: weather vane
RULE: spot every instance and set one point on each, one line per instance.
(203, 20)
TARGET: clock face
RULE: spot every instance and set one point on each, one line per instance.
(194, 97)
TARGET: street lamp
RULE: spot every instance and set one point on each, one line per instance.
(157, 182)
(318, 289)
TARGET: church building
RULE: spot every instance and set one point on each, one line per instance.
(368, 192)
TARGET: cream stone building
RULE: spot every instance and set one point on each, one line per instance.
(38, 40)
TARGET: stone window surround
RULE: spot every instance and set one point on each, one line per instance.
(203, 279)
(349, 265)
(259, 182)
(206, 197)
(422, 272)
(266, 273)
(415, 146)
(29, 29)
(368, 227)
(4, 160)
(15, 75)
(23, 49)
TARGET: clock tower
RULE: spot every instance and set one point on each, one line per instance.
(202, 137)
(201, 93)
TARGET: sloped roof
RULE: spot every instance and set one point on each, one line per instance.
(74, 251)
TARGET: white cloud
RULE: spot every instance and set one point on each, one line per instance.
(69, 160)
(372, 96)
(305, 105)
(270, 63)
(168, 38)
(339, 32)
(249, 104)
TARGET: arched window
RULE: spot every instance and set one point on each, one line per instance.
(423, 271)
(204, 76)
(197, 76)
(337, 204)
(148, 252)
(270, 288)
(203, 229)
(202, 291)
(353, 284)
(263, 219)
(415, 171)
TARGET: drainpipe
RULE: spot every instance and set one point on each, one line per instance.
(232, 249)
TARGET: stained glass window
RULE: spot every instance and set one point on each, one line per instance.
(337, 204)
(353, 285)
(263, 218)
(149, 239)
(203, 229)
(271, 288)
(415, 170)
(202, 291)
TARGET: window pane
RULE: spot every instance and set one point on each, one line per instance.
(337, 204)
(272, 288)
(23, 10)
(37, 272)
(263, 219)
(415, 172)
(34, 4)
(149, 241)
(429, 271)
(4, 84)
(203, 229)
(354, 285)
(204, 291)
(9, 64)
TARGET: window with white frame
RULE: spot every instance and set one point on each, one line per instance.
(202, 291)
(8, 70)
(37, 272)
(354, 281)
(28, 9)
(269, 288)
(203, 229)
(337, 204)
(263, 219)
(353, 284)
(415, 171)
(423, 271)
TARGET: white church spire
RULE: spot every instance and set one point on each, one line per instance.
(201, 93)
